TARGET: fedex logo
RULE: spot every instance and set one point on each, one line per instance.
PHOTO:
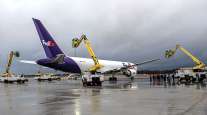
(48, 43)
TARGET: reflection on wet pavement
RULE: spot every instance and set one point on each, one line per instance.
(118, 98)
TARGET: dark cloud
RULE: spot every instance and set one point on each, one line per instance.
(132, 30)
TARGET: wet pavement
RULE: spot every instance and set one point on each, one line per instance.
(68, 97)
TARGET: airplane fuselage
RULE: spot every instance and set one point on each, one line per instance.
(78, 65)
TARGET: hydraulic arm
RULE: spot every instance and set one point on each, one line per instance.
(76, 42)
(9, 63)
(199, 64)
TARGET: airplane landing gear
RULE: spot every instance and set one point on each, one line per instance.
(132, 78)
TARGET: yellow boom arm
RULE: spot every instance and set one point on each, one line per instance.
(10, 59)
(76, 42)
(199, 64)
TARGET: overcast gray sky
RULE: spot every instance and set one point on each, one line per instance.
(125, 30)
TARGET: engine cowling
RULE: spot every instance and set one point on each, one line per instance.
(130, 72)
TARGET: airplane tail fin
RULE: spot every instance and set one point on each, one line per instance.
(49, 45)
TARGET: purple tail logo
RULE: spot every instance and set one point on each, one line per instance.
(48, 43)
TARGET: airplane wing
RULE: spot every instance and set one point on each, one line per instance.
(126, 67)
(28, 61)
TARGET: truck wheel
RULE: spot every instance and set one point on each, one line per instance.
(6, 81)
(19, 81)
(100, 84)
(84, 84)
(88, 83)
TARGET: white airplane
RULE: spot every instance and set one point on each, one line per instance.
(57, 60)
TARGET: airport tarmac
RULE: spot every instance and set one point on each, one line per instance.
(68, 97)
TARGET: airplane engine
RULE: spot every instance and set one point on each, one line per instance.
(130, 72)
